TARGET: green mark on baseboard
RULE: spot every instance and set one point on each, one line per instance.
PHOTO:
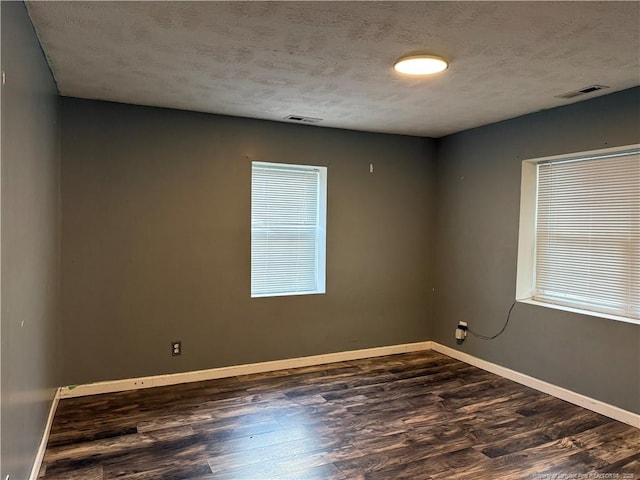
(71, 387)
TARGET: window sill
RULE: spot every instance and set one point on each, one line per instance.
(287, 294)
(581, 312)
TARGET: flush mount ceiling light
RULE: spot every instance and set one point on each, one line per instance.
(420, 64)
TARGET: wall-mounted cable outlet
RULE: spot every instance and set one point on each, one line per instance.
(461, 332)
(176, 348)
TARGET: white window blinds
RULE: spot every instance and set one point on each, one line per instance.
(588, 234)
(288, 217)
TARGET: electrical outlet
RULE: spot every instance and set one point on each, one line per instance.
(461, 332)
(176, 348)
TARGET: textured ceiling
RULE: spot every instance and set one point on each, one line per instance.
(333, 60)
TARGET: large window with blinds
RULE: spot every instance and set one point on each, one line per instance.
(288, 229)
(585, 243)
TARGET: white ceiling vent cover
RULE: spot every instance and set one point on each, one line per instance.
(582, 91)
(301, 119)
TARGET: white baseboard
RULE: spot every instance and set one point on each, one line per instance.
(570, 396)
(597, 406)
(232, 371)
(45, 438)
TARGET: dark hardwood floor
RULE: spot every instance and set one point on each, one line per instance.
(413, 416)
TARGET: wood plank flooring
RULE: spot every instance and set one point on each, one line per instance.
(418, 416)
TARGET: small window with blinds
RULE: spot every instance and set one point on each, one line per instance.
(288, 224)
(586, 233)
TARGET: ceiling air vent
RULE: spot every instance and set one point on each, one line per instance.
(582, 91)
(301, 119)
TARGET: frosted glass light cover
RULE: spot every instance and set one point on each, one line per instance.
(420, 65)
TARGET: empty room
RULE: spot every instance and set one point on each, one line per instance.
(320, 240)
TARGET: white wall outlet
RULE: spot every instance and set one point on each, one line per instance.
(461, 332)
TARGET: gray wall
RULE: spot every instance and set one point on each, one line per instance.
(30, 243)
(477, 241)
(156, 207)
(156, 229)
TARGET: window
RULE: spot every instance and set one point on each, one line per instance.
(288, 218)
(580, 233)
